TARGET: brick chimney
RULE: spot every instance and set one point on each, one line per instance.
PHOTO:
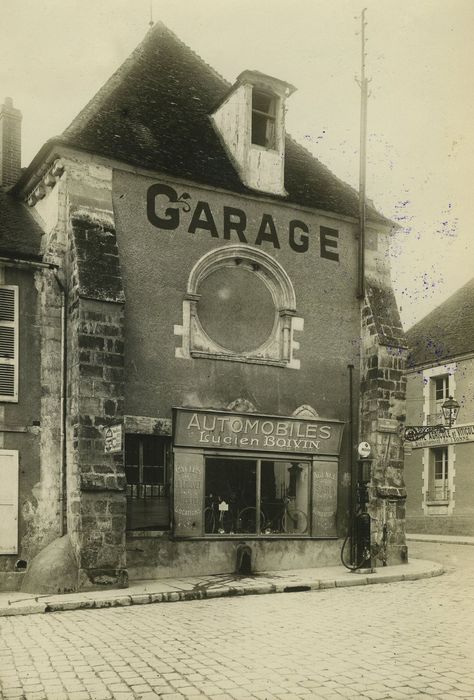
(10, 143)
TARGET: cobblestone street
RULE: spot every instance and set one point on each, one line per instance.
(410, 639)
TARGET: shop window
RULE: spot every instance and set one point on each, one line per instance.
(9, 332)
(256, 497)
(240, 305)
(146, 470)
(439, 474)
(263, 119)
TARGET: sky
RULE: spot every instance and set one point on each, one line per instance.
(55, 54)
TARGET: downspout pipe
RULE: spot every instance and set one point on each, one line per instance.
(353, 466)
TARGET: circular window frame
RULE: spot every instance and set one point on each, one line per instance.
(276, 349)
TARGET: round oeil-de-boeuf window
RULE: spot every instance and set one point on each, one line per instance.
(235, 308)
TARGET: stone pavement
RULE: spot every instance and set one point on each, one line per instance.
(413, 639)
(215, 586)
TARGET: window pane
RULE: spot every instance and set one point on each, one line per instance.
(230, 489)
(153, 451)
(263, 102)
(132, 450)
(147, 491)
(441, 463)
(261, 131)
(285, 497)
(153, 475)
(236, 308)
(132, 474)
(441, 388)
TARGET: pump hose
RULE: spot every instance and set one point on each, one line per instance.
(350, 566)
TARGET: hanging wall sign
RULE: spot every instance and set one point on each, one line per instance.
(248, 431)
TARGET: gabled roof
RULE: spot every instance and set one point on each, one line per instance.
(154, 113)
(446, 332)
(20, 235)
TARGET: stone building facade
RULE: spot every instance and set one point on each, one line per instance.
(218, 366)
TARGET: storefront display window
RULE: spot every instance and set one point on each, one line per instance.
(254, 496)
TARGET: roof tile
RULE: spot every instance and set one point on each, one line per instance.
(154, 113)
(446, 332)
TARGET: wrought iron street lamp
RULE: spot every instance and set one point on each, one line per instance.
(450, 410)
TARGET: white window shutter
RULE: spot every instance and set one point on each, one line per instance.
(9, 333)
(8, 501)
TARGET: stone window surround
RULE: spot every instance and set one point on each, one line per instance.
(279, 348)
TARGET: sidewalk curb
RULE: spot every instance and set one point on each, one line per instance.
(202, 593)
(441, 539)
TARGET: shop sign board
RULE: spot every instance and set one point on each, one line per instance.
(259, 433)
(324, 500)
(449, 436)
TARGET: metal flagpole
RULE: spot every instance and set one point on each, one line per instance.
(363, 84)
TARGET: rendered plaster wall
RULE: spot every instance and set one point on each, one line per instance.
(156, 265)
(31, 425)
(460, 520)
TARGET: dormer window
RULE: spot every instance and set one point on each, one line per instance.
(251, 123)
(263, 119)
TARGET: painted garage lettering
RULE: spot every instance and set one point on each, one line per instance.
(165, 207)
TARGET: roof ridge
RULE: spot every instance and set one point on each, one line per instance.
(96, 102)
(183, 43)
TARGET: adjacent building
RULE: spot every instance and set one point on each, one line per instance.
(439, 466)
(216, 365)
(30, 387)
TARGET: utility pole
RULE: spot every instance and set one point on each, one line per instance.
(363, 84)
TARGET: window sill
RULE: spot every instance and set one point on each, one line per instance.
(238, 358)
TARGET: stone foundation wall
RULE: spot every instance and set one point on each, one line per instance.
(150, 556)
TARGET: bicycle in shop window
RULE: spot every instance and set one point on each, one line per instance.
(283, 518)
(219, 516)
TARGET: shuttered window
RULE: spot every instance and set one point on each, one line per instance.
(9, 332)
(9, 502)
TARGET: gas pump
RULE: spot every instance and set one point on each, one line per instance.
(359, 532)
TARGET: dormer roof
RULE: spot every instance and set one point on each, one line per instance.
(154, 113)
(262, 80)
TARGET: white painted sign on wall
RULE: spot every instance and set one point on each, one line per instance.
(113, 439)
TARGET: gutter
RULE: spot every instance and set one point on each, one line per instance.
(25, 262)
